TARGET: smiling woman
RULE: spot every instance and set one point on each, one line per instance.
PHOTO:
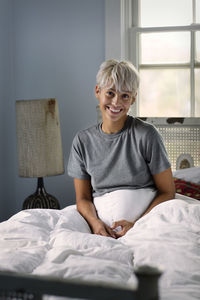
(116, 89)
(120, 154)
(114, 107)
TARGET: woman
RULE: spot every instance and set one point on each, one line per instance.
(121, 155)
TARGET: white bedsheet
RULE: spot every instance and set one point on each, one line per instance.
(59, 243)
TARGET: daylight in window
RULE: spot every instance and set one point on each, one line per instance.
(168, 43)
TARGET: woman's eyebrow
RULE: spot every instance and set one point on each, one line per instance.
(126, 92)
(114, 90)
(111, 89)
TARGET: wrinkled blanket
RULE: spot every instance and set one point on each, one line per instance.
(60, 243)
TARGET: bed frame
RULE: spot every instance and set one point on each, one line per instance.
(31, 287)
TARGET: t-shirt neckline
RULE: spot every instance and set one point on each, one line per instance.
(114, 135)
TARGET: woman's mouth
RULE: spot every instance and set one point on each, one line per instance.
(114, 110)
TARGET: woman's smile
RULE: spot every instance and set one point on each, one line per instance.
(114, 106)
(114, 110)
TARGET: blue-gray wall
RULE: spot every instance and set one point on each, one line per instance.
(51, 48)
(7, 124)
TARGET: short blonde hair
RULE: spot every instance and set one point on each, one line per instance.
(122, 74)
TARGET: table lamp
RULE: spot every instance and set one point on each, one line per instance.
(39, 146)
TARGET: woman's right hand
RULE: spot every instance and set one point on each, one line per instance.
(100, 228)
(87, 209)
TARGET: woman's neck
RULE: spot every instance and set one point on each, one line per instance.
(110, 127)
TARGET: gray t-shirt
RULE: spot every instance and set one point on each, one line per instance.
(123, 160)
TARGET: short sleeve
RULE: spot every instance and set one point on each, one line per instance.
(156, 154)
(76, 163)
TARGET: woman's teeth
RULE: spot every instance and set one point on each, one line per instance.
(115, 110)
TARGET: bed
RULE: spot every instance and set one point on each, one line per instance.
(49, 253)
(53, 252)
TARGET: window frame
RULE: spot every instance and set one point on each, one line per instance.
(134, 51)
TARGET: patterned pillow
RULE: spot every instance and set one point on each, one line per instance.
(187, 188)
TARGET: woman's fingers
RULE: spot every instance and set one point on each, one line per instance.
(111, 232)
(121, 227)
(102, 229)
(120, 223)
(118, 228)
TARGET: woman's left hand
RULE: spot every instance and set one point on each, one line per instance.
(125, 226)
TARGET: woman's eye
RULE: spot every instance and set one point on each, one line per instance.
(125, 96)
(109, 93)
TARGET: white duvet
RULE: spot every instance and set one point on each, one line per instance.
(59, 243)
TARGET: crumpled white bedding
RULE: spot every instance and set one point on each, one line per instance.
(169, 237)
(59, 243)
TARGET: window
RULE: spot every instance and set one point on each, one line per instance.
(165, 47)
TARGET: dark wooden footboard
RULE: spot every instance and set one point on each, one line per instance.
(32, 287)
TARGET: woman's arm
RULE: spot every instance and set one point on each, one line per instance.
(86, 208)
(166, 191)
(165, 186)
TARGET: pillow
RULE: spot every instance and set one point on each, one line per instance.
(187, 188)
(123, 204)
(189, 174)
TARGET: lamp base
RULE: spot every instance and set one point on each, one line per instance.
(41, 199)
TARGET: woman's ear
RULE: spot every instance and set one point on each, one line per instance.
(133, 98)
(97, 91)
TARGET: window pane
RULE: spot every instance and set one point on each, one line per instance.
(165, 13)
(165, 47)
(197, 92)
(164, 93)
(197, 11)
(198, 45)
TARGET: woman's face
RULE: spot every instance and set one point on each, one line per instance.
(114, 105)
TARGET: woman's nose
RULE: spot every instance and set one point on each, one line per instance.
(116, 100)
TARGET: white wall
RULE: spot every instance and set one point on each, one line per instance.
(53, 49)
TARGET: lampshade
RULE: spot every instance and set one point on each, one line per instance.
(39, 140)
